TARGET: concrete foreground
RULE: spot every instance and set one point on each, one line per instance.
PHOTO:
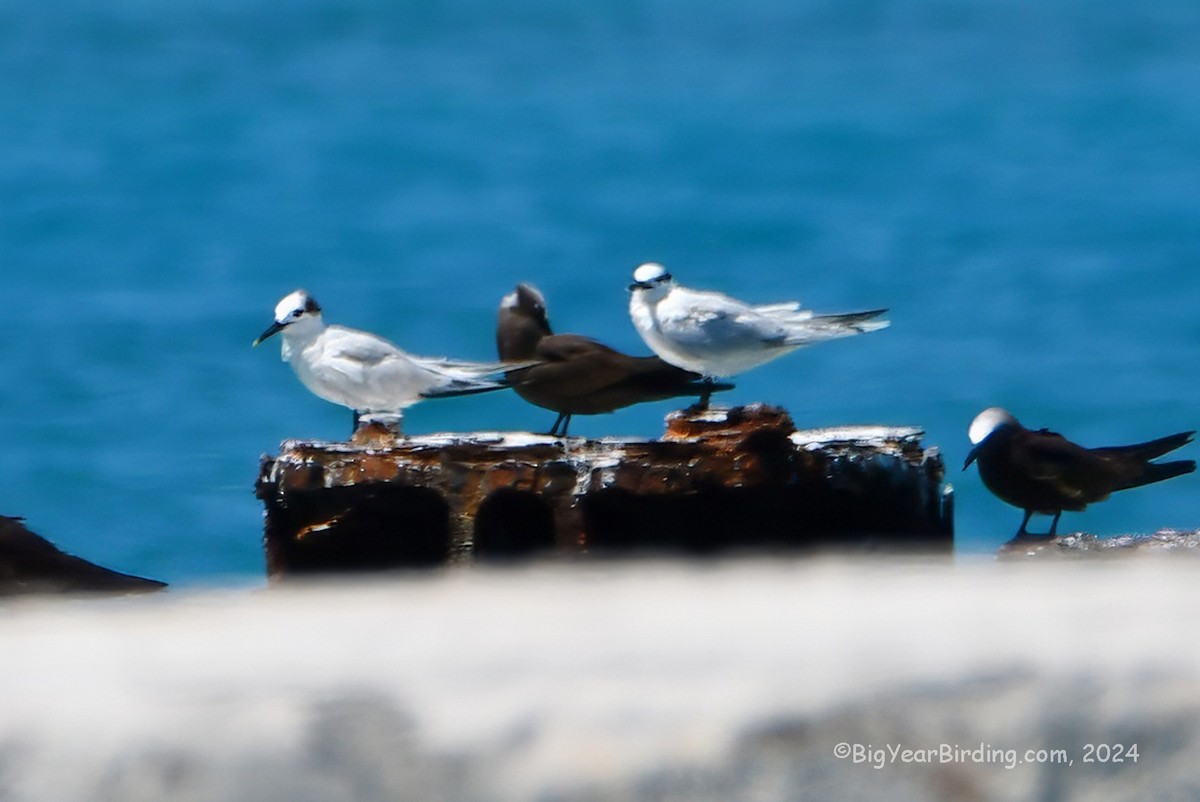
(622, 680)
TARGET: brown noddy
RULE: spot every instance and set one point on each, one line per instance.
(577, 375)
(31, 564)
(1041, 471)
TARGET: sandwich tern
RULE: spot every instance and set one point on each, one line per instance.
(365, 372)
(715, 335)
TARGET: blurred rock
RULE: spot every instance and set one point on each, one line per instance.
(1081, 545)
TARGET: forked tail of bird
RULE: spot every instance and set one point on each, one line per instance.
(1158, 471)
(1151, 449)
(1144, 452)
(469, 378)
(827, 327)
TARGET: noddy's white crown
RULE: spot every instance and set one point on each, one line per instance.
(294, 305)
(650, 271)
(987, 422)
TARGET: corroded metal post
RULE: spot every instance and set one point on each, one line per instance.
(718, 481)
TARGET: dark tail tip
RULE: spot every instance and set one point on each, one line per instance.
(1161, 471)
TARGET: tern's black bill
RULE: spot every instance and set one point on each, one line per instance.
(271, 331)
(645, 285)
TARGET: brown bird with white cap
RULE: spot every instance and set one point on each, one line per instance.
(576, 375)
(1043, 472)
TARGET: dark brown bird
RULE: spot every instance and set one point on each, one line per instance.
(1042, 471)
(31, 564)
(577, 375)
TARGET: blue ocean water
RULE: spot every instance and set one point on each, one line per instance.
(1017, 181)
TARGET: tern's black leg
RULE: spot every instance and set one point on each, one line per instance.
(566, 422)
(1054, 523)
(702, 403)
(554, 429)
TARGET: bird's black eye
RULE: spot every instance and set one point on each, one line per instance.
(297, 312)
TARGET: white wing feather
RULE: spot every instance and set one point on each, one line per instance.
(703, 318)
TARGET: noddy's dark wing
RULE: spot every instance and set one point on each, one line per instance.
(609, 367)
(577, 366)
(1065, 470)
(578, 375)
